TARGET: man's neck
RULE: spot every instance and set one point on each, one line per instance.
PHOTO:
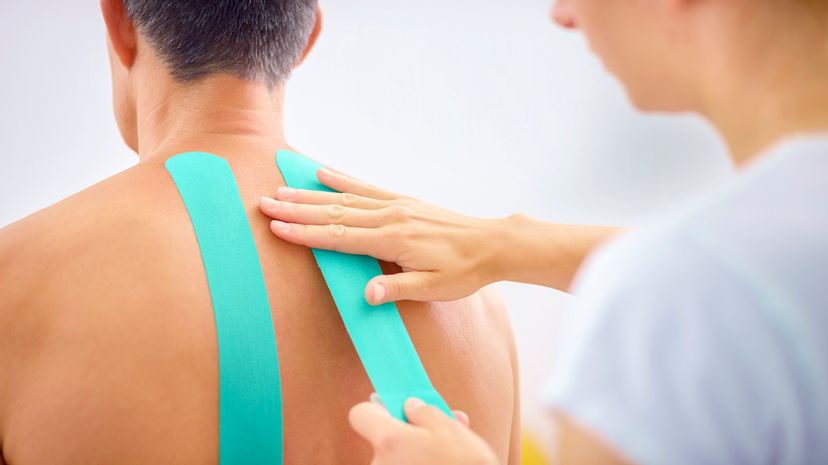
(769, 87)
(220, 113)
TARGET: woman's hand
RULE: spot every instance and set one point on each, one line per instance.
(431, 438)
(444, 255)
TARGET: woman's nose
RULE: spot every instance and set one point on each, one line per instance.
(563, 14)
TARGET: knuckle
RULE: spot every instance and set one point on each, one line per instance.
(427, 280)
(392, 245)
(336, 230)
(335, 212)
(306, 232)
(393, 254)
(403, 288)
(401, 213)
(398, 287)
(291, 209)
(397, 215)
(346, 198)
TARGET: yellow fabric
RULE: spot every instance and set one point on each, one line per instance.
(531, 452)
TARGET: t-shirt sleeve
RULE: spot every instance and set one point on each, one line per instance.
(673, 358)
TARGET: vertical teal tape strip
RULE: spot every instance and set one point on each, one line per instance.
(378, 333)
(250, 394)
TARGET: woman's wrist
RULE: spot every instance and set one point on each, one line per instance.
(494, 249)
(512, 248)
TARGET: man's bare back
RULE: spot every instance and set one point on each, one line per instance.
(108, 345)
(108, 348)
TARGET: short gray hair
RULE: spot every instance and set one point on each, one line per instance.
(257, 40)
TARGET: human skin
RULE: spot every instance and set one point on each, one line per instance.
(755, 70)
(449, 256)
(107, 339)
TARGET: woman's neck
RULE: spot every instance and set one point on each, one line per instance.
(770, 83)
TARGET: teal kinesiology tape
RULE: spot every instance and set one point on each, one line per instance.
(378, 333)
(250, 396)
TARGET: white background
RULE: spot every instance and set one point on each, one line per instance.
(482, 106)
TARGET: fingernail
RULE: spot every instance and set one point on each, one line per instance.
(269, 203)
(379, 292)
(375, 398)
(414, 403)
(280, 226)
(286, 192)
(327, 172)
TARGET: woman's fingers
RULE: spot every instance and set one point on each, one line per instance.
(459, 415)
(374, 423)
(319, 214)
(344, 183)
(371, 421)
(409, 285)
(462, 417)
(336, 237)
(426, 416)
(309, 197)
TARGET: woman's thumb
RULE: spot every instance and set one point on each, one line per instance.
(410, 285)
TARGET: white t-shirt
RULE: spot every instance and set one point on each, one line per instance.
(704, 338)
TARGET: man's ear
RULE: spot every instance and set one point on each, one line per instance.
(121, 32)
(317, 29)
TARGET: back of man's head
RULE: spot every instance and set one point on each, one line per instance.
(251, 39)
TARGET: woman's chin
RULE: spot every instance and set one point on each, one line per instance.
(657, 102)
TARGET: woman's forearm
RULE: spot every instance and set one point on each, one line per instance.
(532, 251)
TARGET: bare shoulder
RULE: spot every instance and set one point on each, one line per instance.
(494, 305)
(102, 287)
(98, 249)
(91, 242)
(115, 245)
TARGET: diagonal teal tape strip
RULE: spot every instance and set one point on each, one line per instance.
(250, 395)
(378, 333)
